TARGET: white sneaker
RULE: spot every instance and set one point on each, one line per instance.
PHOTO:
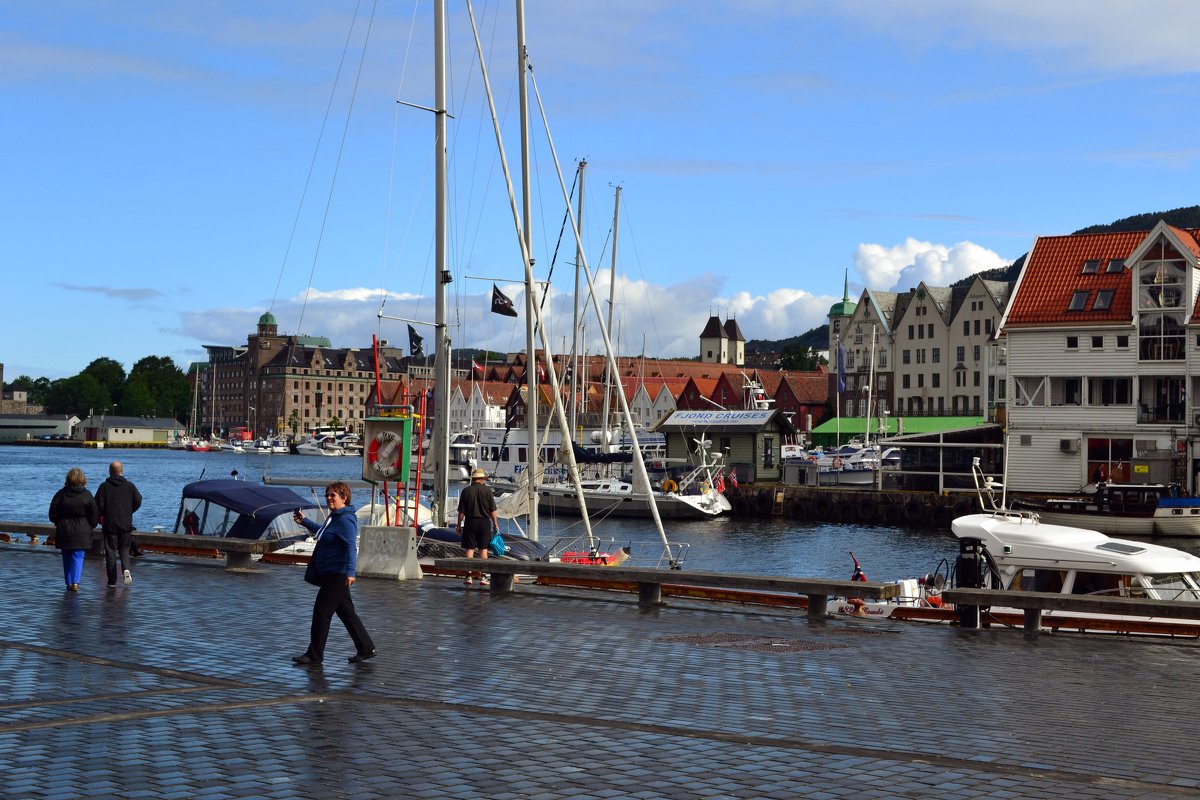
(128, 578)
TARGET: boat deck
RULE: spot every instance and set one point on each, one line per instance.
(181, 686)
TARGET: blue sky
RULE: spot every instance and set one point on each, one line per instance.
(173, 170)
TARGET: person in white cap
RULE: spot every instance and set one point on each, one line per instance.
(477, 520)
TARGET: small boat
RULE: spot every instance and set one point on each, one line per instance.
(280, 445)
(1020, 552)
(320, 446)
(1132, 509)
(199, 446)
(239, 509)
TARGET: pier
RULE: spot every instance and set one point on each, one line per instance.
(181, 686)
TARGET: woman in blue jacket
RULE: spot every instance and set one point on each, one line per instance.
(331, 568)
(74, 514)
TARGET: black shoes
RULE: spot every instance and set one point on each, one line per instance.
(305, 658)
(357, 657)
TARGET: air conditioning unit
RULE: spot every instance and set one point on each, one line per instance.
(1068, 445)
(1197, 418)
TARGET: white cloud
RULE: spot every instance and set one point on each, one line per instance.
(902, 266)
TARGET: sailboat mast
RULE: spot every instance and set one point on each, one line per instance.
(440, 444)
(609, 377)
(575, 319)
(526, 212)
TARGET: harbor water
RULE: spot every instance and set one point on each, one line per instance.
(765, 546)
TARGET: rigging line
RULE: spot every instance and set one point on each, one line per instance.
(391, 188)
(338, 162)
(631, 238)
(316, 151)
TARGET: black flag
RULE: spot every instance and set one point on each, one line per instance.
(414, 343)
(501, 304)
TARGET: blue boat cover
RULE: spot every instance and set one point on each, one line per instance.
(257, 505)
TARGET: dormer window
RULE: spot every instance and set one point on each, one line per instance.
(1115, 265)
(1104, 299)
(1091, 267)
(1078, 301)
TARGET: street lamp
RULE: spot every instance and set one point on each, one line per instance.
(252, 420)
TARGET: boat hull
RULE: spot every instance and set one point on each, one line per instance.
(670, 506)
(1162, 523)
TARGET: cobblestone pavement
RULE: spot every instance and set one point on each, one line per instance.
(182, 686)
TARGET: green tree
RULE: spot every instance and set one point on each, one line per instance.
(166, 384)
(35, 387)
(136, 400)
(80, 395)
(294, 422)
(800, 358)
(109, 374)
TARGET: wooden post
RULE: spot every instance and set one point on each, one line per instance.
(818, 606)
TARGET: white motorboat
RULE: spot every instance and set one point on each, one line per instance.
(320, 446)
(1020, 552)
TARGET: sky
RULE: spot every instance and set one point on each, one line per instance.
(173, 170)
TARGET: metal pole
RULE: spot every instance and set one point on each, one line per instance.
(440, 445)
(533, 451)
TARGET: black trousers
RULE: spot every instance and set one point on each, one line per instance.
(333, 597)
(116, 545)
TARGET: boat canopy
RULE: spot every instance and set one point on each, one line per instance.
(238, 509)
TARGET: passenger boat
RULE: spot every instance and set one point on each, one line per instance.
(1153, 509)
(1020, 552)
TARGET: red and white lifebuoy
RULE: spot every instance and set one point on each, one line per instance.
(837, 462)
(384, 455)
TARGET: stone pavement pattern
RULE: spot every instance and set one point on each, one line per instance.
(181, 686)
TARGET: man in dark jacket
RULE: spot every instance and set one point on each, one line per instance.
(117, 499)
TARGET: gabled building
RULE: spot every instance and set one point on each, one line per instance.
(1103, 358)
(722, 343)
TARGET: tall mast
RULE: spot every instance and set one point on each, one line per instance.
(440, 444)
(526, 211)
(575, 320)
(609, 377)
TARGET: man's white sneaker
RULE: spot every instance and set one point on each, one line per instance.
(128, 578)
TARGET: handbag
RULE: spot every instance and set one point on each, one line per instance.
(497, 545)
(310, 573)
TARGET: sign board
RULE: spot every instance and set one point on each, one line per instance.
(387, 447)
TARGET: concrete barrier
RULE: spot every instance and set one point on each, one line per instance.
(388, 552)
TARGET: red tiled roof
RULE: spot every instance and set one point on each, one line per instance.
(1053, 273)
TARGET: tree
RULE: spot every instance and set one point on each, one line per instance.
(136, 400)
(35, 387)
(800, 358)
(294, 422)
(79, 395)
(109, 374)
(166, 385)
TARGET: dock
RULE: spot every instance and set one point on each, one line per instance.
(182, 686)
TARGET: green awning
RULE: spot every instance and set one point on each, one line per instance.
(834, 432)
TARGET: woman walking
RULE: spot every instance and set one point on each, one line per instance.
(74, 514)
(331, 568)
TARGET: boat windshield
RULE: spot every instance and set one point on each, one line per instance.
(1175, 586)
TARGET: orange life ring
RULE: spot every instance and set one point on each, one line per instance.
(669, 486)
(384, 455)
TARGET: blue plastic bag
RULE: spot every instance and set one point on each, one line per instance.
(497, 547)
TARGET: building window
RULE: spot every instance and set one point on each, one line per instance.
(1116, 264)
(1072, 342)
(906, 357)
(904, 381)
(937, 380)
(1104, 299)
(975, 350)
(1123, 342)
(987, 326)
(966, 327)
(960, 353)
(929, 335)
(976, 377)
(1078, 301)
(936, 355)
(1091, 267)
(976, 327)
(920, 380)
(1097, 342)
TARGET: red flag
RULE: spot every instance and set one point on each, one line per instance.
(541, 373)
(733, 477)
(475, 365)
(720, 484)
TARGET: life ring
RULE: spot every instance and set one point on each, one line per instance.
(703, 487)
(384, 455)
(837, 462)
(670, 486)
